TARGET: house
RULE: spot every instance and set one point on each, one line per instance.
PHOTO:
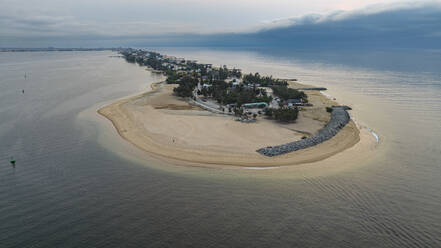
(235, 84)
(294, 102)
(255, 105)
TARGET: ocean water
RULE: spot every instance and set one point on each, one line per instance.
(77, 184)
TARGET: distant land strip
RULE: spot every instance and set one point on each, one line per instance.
(53, 49)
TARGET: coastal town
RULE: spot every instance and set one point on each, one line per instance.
(248, 97)
(223, 90)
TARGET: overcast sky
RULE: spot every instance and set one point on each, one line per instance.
(135, 17)
(25, 20)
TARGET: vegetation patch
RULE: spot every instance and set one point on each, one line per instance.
(282, 114)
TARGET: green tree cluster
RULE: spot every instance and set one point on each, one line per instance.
(285, 93)
(172, 77)
(264, 81)
(282, 114)
(186, 87)
(223, 93)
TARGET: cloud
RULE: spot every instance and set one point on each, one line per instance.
(51, 26)
(38, 25)
(340, 15)
(386, 25)
(401, 25)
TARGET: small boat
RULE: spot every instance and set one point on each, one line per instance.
(12, 161)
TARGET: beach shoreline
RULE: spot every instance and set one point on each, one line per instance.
(171, 129)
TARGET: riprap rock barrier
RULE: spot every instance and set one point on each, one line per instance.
(339, 118)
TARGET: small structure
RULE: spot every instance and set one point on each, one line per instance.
(255, 105)
(235, 84)
(294, 102)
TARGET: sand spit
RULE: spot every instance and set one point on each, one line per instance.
(170, 128)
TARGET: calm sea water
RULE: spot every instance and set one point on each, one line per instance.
(77, 184)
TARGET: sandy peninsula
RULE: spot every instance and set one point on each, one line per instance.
(169, 127)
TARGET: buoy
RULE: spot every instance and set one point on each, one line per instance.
(12, 161)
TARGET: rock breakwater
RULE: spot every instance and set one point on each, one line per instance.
(339, 118)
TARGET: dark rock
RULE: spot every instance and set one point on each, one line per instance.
(339, 119)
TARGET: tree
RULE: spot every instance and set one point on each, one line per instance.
(269, 112)
(186, 87)
(172, 78)
(286, 114)
(285, 93)
(238, 111)
(263, 81)
(204, 91)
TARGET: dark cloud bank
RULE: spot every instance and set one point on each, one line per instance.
(398, 28)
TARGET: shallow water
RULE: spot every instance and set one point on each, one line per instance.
(77, 184)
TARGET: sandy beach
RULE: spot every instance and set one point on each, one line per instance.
(170, 128)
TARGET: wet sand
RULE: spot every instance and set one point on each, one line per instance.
(169, 128)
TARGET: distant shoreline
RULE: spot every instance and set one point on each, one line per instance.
(56, 49)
